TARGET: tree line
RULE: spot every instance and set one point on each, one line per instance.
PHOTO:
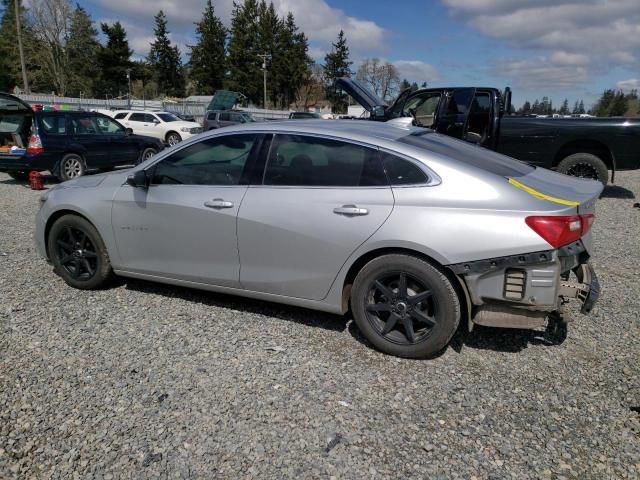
(612, 103)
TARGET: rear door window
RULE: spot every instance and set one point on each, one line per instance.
(137, 117)
(121, 115)
(54, 124)
(84, 125)
(299, 160)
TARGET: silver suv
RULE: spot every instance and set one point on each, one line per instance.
(224, 118)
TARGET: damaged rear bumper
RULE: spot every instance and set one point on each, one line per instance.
(521, 291)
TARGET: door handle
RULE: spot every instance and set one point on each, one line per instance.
(218, 203)
(350, 210)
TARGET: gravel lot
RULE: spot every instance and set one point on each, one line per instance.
(151, 381)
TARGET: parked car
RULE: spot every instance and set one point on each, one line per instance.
(584, 147)
(224, 118)
(186, 117)
(304, 115)
(65, 143)
(164, 126)
(413, 231)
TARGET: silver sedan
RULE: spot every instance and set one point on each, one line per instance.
(413, 232)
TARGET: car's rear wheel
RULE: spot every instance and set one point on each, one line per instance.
(146, 154)
(405, 306)
(71, 166)
(173, 138)
(585, 165)
(78, 253)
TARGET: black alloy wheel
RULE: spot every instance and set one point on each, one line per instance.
(405, 305)
(401, 308)
(76, 253)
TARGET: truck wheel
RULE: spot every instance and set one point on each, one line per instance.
(405, 306)
(584, 165)
(71, 166)
(173, 138)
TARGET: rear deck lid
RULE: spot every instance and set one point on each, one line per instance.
(560, 189)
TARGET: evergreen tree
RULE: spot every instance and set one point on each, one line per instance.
(113, 61)
(619, 105)
(291, 63)
(337, 65)
(603, 106)
(82, 50)
(164, 60)
(243, 63)
(271, 39)
(207, 55)
(564, 109)
(575, 108)
(404, 84)
(535, 109)
(526, 108)
(10, 68)
(581, 107)
(414, 86)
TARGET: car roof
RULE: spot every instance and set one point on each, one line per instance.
(355, 129)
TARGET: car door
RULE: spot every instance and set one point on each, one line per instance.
(87, 138)
(320, 199)
(454, 111)
(224, 119)
(184, 225)
(123, 149)
(138, 122)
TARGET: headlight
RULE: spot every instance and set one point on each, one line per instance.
(185, 129)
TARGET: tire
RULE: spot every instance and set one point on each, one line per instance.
(146, 154)
(402, 325)
(71, 166)
(585, 165)
(78, 253)
(19, 176)
(173, 138)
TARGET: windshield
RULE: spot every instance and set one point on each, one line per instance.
(168, 117)
(468, 154)
(248, 118)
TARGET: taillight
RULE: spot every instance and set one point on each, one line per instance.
(559, 231)
(35, 144)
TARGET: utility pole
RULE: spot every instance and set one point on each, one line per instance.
(264, 57)
(129, 87)
(25, 81)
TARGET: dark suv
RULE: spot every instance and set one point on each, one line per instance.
(224, 118)
(65, 143)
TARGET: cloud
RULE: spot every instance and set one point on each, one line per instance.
(416, 71)
(548, 71)
(627, 85)
(317, 19)
(579, 36)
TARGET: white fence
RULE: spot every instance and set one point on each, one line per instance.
(197, 109)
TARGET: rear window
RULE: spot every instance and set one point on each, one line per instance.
(53, 124)
(468, 154)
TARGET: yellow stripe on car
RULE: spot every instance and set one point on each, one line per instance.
(541, 195)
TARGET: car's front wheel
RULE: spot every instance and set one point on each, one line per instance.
(71, 166)
(405, 306)
(173, 138)
(78, 253)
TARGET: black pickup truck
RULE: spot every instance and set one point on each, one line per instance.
(583, 147)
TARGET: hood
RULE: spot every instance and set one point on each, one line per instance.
(184, 124)
(360, 93)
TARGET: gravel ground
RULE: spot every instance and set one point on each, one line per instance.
(151, 381)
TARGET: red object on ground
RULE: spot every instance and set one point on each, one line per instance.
(36, 181)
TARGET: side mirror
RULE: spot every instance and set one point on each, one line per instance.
(138, 179)
(156, 121)
(128, 131)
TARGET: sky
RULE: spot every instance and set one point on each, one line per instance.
(559, 48)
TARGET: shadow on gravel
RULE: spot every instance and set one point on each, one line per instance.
(616, 191)
(506, 339)
(303, 316)
(483, 338)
